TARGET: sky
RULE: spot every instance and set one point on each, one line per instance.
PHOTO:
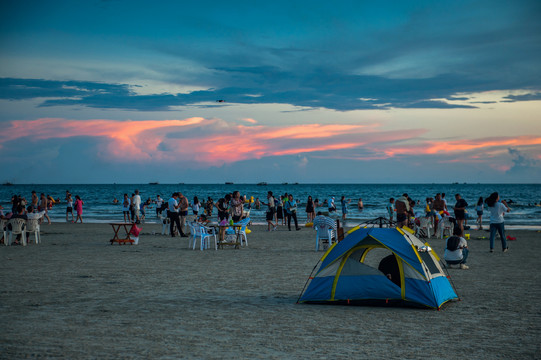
(280, 91)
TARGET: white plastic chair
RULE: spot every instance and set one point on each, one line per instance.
(445, 225)
(32, 226)
(325, 230)
(3, 224)
(194, 233)
(17, 227)
(165, 221)
(205, 234)
(425, 224)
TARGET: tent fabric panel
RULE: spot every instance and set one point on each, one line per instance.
(319, 289)
(420, 291)
(345, 245)
(353, 267)
(400, 245)
(366, 287)
(443, 291)
(409, 272)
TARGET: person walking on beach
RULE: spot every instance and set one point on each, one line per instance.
(69, 207)
(344, 203)
(456, 250)
(497, 210)
(44, 205)
(78, 208)
(460, 212)
(291, 211)
(310, 210)
(270, 212)
(479, 208)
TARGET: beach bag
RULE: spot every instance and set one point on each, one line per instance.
(452, 243)
(135, 230)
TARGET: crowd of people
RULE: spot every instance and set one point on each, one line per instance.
(408, 212)
(283, 210)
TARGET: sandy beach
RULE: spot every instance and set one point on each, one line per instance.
(76, 296)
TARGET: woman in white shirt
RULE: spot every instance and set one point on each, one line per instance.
(497, 210)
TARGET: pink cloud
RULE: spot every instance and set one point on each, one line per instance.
(214, 141)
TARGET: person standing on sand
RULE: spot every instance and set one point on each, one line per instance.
(137, 207)
(310, 210)
(208, 206)
(460, 212)
(126, 208)
(172, 213)
(183, 211)
(279, 210)
(290, 207)
(497, 210)
(79, 208)
(402, 209)
(237, 206)
(270, 212)
(196, 204)
(158, 202)
(479, 208)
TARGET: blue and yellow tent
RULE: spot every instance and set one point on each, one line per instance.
(373, 265)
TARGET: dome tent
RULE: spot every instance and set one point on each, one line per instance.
(379, 266)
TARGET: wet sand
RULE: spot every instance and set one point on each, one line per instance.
(75, 296)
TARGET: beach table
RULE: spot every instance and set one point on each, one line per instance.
(121, 240)
(236, 243)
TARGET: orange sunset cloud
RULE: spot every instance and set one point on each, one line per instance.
(213, 141)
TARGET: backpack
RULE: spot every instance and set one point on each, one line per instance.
(452, 243)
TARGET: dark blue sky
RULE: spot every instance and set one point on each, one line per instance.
(417, 91)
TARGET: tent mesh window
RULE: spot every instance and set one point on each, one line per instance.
(429, 262)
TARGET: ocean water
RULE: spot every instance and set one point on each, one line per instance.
(99, 207)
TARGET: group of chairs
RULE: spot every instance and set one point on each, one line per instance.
(18, 226)
(204, 234)
(426, 227)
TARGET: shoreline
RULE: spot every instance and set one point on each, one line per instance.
(349, 224)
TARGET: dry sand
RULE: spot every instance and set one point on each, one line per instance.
(75, 296)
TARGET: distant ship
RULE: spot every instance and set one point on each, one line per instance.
(153, 183)
(7, 183)
(228, 183)
(263, 183)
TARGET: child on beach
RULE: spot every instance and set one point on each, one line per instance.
(69, 208)
(390, 209)
(78, 208)
(479, 208)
